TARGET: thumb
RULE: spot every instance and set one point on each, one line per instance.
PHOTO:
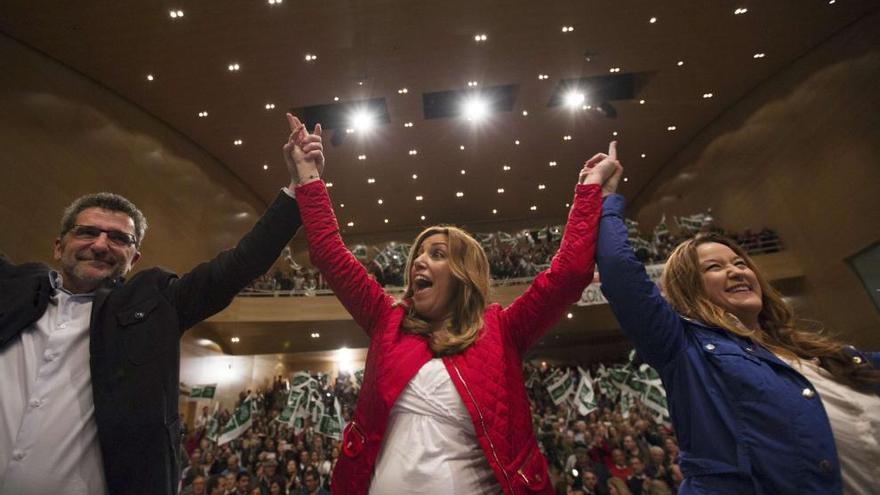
(317, 130)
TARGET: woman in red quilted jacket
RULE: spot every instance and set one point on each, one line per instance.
(443, 407)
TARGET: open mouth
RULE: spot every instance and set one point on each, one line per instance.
(738, 288)
(421, 283)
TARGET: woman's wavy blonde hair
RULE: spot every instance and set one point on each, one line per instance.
(780, 331)
(470, 270)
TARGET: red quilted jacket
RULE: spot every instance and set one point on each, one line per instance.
(487, 375)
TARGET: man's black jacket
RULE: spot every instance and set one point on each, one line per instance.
(135, 349)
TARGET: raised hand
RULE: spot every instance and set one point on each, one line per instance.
(603, 169)
(303, 152)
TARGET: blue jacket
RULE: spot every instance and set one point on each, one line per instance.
(746, 422)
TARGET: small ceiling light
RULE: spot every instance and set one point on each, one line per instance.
(315, 335)
(275, 2)
(386, 220)
(362, 157)
(614, 69)
(567, 205)
(150, 77)
(740, 11)
(641, 102)
(534, 207)
(541, 187)
(506, 168)
(176, 14)
(525, 113)
(542, 77)
(500, 190)
(350, 224)
(311, 57)
(463, 171)
(569, 316)
(419, 198)
(585, 107)
(473, 84)
(614, 133)
(335, 98)
(233, 67)
(574, 99)
(238, 142)
(758, 55)
(422, 217)
(329, 185)
(413, 152)
(402, 91)
(552, 163)
(234, 340)
(203, 114)
(707, 95)
(349, 130)
(461, 147)
(362, 120)
(567, 137)
(475, 109)
(652, 20)
(671, 128)
(379, 201)
(831, 2)
(265, 167)
(626, 179)
(408, 124)
(479, 38)
(459, 194)
(270, 106)
(644, 155)
(371, 180)
(415, 176)
(342, 205)
(680, 63)
(516, 142)
(567, 29)
(360, 83)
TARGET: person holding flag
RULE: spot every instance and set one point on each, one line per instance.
(759, 404)
(443, 407)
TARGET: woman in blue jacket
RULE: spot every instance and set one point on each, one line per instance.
(759, 404)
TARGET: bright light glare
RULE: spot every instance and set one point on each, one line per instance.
(344, 359)
(574, 99)
(362, 121)
(475, 109)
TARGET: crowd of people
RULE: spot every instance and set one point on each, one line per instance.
(520, 255)
(608, 451)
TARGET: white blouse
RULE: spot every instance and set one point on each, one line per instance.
(430, 446)
(855, 423)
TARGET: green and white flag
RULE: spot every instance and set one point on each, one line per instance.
(561, 387)
(359, 378)
(584, 398)
(331, 424)
(301, 379)
(239, 422)
(203, 391)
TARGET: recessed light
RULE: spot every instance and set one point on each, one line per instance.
(350, 224)
(641, 102)
(473, 84)
(315, 335)
(516, 142)
(422, 217)
(265, 167)
(203, 114)
(614, 133)
(238, 142)
(680, 63)
(415, 176)
(311, 57)
(234, 340)
(671, 128)
(480, 38)
(644, 155)
(329, 185)
(463, 171)
(150, 77)
(626, 179)
(541, 187)
(567, 205)
(542, 77)
(494, 211)
(652, 20)
(413, 152)
(402, 91)
(386, 220)
(459, 194)
(419, 198)
(614, 69)
(740, 11)
(500, 190)
(270, 106)
(371, 180)
(574, 99)
(233, 67)
(534, 207)
(506, 168)
(567, 137)
(379, 201)
(349, 130)
(758, 55)
(408, 124)
(461, 147)
(342, 205)
(552, 163)
(175, 14)
(567, 29)
(525, 113)
(569, 316)
(362, 157)
(274, 2)
(708, 95)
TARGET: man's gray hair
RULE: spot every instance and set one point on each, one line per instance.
(105, 201)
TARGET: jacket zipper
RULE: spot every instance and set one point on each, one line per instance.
(482, 423)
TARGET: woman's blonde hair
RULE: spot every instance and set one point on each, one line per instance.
(779, 329)
(619, 485)
(470, 270)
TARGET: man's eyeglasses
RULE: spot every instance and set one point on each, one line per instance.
(115, 237)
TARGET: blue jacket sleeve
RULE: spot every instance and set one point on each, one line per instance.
(656, 330)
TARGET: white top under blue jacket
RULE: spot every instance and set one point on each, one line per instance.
(747, 423)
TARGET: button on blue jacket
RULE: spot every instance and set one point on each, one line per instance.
(746, 422)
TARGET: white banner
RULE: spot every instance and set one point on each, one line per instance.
(592, 295)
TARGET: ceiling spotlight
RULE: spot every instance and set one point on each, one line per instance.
(758, 55)
(419, 198)
(680, 63)
(480, 38)
(459, 194)
(707, 95)
(461, 147)
(315, 335)
(270, 106)
(274, 2)
(506, 168)
(516, 142)
(494, 211)
(415, 176)
(342, 205)
(234, 340)
(740, 11)
(335, 98)
(641, 102)
(408, 124)
(500, 190)
(567, 29)
(238, 142)
(379, 201)
(566, 138)
(542, 77)
(463, 171)
(402, 91)
(311, 57)
(552, 164)
(525, 113)
(329, 185)
(614, 69)
(203, 114)
(386, 220)
(626, 179)
(574, 99)
(473, 84)
(233, 67)
(422, 217)
(362, 120)
(671, 128)
(371, 181)
(475, 109)
(150, 77)
(349, 130)
(644, 155)
(541, 187)
(534, 207)
(265, 167)
(413, 152)
(362, 157)
(652, 20)
(350, 224)
(175, 14)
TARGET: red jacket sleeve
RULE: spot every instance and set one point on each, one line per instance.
(361, 295)
(561, 285)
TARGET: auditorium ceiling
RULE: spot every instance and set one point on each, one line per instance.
(222, 73)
